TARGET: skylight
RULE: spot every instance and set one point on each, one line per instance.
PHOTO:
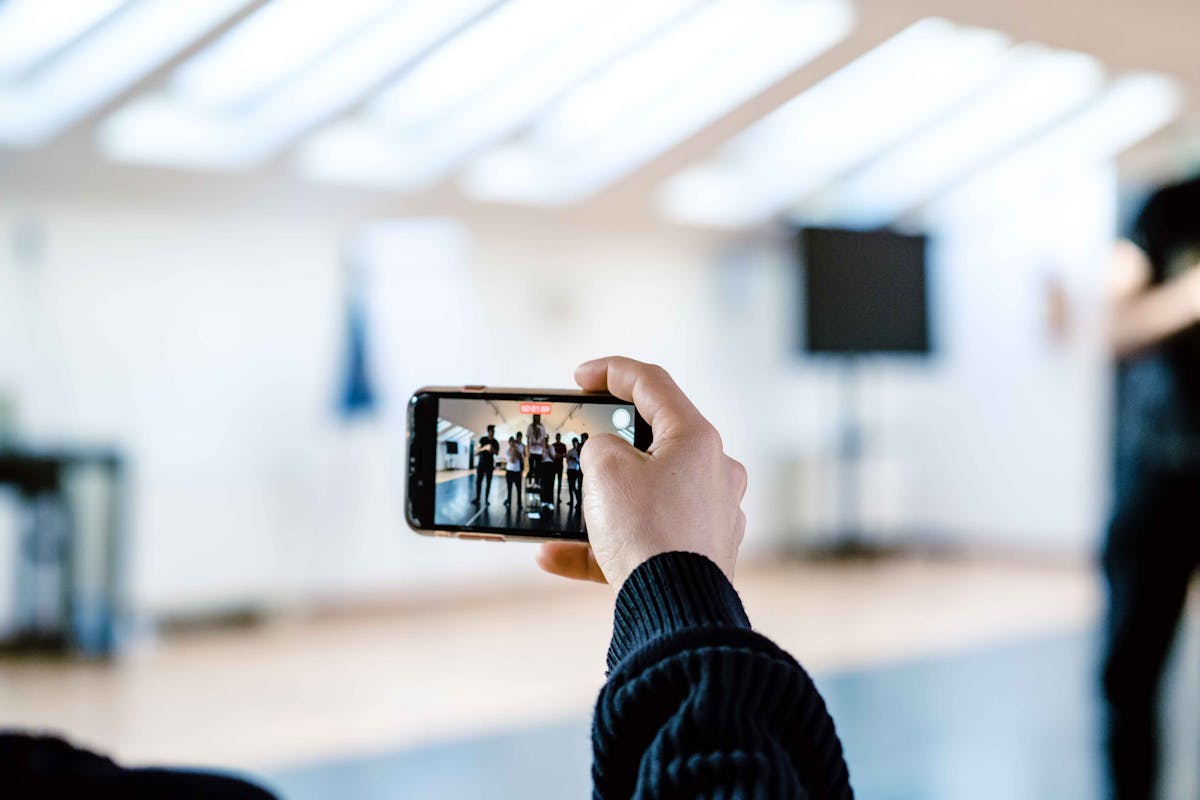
(844, 120)
(423, 143)
(166, 130)
(656, 96)
(106, 61)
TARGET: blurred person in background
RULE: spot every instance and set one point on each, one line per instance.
(560, 455)
(696, 705)
(485, 464)
(48, 768)
(1153, 543)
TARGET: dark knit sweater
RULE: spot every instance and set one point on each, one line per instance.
(698, 705)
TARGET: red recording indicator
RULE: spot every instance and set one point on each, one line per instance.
(535, 408)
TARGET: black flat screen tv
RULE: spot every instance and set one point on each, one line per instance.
(864, 291)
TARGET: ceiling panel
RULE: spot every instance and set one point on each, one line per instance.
(747, 109)
(112, 52)
(166, 129)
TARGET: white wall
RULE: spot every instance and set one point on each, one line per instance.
(1013, 443)
(1001, 438)
(208, 340)
(209, 344)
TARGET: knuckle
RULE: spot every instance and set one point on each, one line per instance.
(656, 371)
(602, 462)
(740, 476)
(597, 458)
(709, 439)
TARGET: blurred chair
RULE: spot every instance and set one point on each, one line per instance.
(68, 582)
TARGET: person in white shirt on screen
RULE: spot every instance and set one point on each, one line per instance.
(512, 473)
(520, 451)
(535, 434)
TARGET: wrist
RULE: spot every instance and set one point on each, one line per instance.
(670, 592)
(619, 573)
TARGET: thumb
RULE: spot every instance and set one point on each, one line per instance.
(604, 449)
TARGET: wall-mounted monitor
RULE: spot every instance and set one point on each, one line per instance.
(864, 291)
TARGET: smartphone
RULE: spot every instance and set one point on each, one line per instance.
(503, 464)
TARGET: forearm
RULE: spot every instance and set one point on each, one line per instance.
(1153, 316)
(698, 705)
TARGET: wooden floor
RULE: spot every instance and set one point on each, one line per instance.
(450, 474)
(300, 689)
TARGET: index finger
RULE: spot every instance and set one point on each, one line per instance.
(648, 386)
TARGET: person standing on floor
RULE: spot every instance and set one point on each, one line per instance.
(521, 451)
(1153, 543)
(574, 475)
(546, 476)
(560, 454)
(538, 441)
(583, 438)
(485, 464)
(512, 474)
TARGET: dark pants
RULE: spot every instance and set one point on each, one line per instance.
(1153, 547)
(482, 473)
(547, 476)
(514, 482)
(558, 480)
(575, 485)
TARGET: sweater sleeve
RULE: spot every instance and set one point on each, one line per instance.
(697, 705)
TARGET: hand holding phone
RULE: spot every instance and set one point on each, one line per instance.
(523, 479)
(684, 494)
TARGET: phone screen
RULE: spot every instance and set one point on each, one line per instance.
(523, 473)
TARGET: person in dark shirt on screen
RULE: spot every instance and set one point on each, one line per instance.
(697, 704)
(583, 439)
(1153, 543)
(546, 467)
(485, 463)
(512, 474)
(574, 474)
(560, 456)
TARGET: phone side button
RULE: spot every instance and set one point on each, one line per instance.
(446, 534)
(474, 387)
(482, 537)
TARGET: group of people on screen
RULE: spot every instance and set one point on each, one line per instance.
(532, 460)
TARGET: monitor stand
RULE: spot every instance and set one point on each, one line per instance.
(850, 540)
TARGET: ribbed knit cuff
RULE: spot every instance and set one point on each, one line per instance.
(668, 593)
